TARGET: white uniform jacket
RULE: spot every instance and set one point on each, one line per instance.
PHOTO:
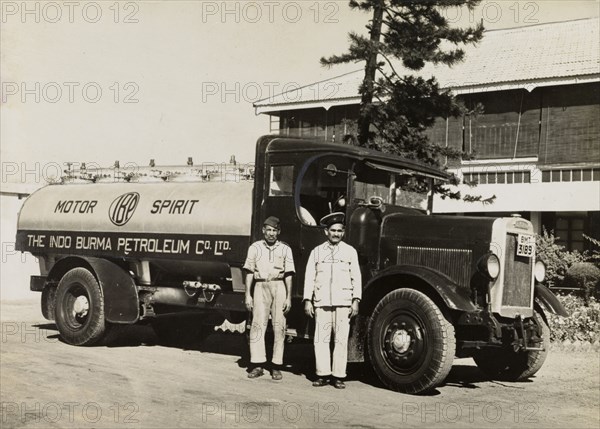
(332, 275)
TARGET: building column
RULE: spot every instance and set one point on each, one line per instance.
(536, 220)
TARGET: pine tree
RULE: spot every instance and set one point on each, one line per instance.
(396, 109)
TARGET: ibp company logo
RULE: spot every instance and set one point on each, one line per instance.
(123, 207)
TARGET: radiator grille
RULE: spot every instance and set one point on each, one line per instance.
(517, 276)
(455, 263)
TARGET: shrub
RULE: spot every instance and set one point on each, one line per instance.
(582, 324)
(594, 254)
(584, 276)
(557, 259)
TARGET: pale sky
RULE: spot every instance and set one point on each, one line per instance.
(189, 71)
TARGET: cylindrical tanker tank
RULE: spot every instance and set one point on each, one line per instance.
(175, 225)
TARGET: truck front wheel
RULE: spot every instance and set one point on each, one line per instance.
(508, 365)
(411, 344)
(80, 308)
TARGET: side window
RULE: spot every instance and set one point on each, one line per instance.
(281, 181)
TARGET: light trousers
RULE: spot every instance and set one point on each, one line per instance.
(331, 323)
(269, 298)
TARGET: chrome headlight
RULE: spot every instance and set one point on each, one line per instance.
(539, 271)
(489, 266)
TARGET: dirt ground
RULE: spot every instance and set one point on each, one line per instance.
(139, 383)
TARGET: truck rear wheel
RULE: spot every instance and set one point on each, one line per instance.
(80, 308)
(411, 344)
(508, 365)
(48, 302)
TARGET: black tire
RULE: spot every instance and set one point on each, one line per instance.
(508, 365)
(80, 308)
(411, 344)
(185, 330)
(48, 302)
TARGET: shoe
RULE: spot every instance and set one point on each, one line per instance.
(338, 384)
(256, 372)
(276, 374)
(320, 382)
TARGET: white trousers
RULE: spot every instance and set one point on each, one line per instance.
(331, 323)
(269, 298)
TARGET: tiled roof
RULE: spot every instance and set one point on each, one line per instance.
(525, 57)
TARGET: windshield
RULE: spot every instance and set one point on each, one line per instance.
(394, 186)
(323, 186)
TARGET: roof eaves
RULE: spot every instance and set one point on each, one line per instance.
(540, 24)
(529, 85)
(331, 79)
(325, 104)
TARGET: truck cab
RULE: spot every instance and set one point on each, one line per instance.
(171, 254)
(301, 181)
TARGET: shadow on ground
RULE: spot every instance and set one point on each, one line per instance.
(298, 358)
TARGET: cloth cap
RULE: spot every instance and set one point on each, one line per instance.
(272, 221)
(332, 218)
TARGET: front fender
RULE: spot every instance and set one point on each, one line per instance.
(549, 301)
(454, 296)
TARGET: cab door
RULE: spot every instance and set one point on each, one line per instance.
(321, 189)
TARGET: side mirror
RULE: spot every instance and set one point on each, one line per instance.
(376, 203)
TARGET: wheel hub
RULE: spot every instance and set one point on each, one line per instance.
(81, 306)
(401, 341)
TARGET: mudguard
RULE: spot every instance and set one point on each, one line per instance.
(455, 297)
(549, 301)
(452, 294)
(121, 302)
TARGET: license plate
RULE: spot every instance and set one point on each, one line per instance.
(525, 245)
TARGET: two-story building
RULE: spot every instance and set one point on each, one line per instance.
(537, 144)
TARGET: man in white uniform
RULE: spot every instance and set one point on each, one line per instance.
(332, 292)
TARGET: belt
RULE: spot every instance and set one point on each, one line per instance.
(271, 280)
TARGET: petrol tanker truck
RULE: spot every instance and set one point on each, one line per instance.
(171, 254)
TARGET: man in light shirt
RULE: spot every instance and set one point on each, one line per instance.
(332, 293)
(269, 268)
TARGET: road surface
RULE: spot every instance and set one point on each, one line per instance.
(140, 384)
